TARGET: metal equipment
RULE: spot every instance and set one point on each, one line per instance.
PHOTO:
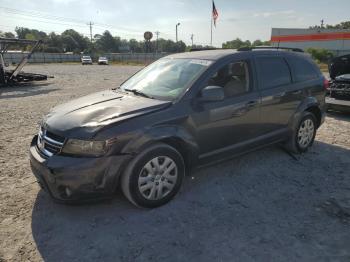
(10, 77)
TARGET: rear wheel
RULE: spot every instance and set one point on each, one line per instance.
(154, 176)
(304, 135)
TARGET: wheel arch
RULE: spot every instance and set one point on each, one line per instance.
(189, 154)
(310, 104)
(174, 136)
(315, 110)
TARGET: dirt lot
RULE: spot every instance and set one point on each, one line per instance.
(264, 206)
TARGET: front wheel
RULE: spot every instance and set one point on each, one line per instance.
(154, 176)
(304, 135)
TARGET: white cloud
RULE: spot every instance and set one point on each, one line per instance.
(275, 13)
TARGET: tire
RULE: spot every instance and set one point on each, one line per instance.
(154, 176)
(304, 134)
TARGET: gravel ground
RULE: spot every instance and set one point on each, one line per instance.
(264, 206)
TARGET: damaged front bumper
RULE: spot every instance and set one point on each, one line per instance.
(71, 179)
(338, 104)
(338, 96)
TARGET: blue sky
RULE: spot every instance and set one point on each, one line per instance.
(129, 19)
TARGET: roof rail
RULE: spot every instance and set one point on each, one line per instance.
(203, 49)
(271, 47)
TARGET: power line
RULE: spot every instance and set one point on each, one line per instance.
(41, 21)
(47, 16)
(40, 15)
(71, 25)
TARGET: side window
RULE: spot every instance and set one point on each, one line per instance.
(233, 78)
(272, 72)
(302, 69)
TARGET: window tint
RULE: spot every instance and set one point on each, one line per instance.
(302, 69)
(272, 72)
(233, 78)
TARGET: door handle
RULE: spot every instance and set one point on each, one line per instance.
(298, 92)
(239, 112)
(252, 103)
(280, 95)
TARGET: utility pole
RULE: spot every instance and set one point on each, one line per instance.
(192, 39)
(90, 24)
(157, 34)
(176, 30)
(322, 23)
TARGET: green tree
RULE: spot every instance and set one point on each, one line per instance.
(235, 44)
(134, 46)
(257, 42)
(342, 25)
(108, 43)
(33, 34)
(320, 55)
(7, 34)
(72, 41)
(53, 44)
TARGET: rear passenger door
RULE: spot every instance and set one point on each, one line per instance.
(274, 81)
(304, 77)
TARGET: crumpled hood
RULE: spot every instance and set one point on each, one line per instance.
(92, 112)
(339, 66)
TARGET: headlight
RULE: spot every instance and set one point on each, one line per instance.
(83, 147)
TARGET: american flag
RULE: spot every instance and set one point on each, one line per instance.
(215, 14)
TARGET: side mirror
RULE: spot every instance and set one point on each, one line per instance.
(212, 94)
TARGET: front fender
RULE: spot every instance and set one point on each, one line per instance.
(176, 136)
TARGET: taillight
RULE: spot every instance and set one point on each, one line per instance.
(326, 84)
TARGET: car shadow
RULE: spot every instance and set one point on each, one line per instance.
(344, 116)
(261, 206)
(25, 90)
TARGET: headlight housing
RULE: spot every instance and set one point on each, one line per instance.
(85, 147)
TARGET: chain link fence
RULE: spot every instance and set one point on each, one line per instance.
(16, 57)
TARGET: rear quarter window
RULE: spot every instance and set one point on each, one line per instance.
(302, 69)
(272, 72)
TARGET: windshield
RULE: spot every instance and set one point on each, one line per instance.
(103, 58)
(166, 78)
(86, 57)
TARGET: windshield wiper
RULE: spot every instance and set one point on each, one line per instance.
(138, 93)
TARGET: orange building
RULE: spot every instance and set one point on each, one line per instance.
(335, 40)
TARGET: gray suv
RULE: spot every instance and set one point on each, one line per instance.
(182, 111)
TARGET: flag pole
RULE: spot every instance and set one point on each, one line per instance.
(211, 32)
(211, 27)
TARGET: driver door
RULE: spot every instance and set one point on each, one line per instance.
(224, 125)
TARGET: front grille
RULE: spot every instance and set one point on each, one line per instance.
(340, 90)
(54, 136)
(49, 143)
